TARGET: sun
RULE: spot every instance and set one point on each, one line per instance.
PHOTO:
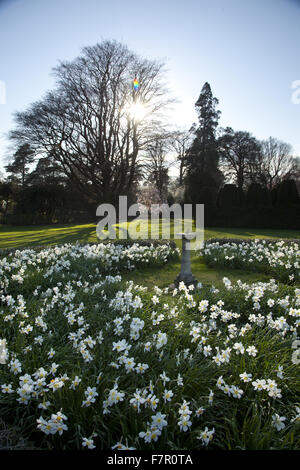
(137, 111)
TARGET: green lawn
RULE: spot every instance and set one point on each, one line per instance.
(13, 236)
(21, 236)
(204, 274)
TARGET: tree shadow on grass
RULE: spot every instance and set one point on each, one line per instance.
(215, 232)
(40, 236)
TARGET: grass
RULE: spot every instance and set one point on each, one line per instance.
(11, 438)
(30, 236)
(203, 274)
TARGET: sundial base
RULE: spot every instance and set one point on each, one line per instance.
(188, 279)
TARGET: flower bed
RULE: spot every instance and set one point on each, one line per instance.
(23, 266)
(90, 361)
(278, 259)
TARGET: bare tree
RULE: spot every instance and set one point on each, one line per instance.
(94, 124)
(147, 195)
(180, 143)
(156, 166)
(276, 162)
(238, 150)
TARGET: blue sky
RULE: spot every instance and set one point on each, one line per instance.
(249, 52)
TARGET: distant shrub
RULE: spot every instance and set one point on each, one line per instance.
(258, 196)
(229, 196)
(288, 193)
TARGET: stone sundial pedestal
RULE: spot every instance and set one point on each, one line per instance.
(185, 274)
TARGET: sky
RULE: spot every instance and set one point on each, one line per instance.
(247, 50)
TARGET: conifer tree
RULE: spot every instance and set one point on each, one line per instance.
(203, 175)
(19, 167)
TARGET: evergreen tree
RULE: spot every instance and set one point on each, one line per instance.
(203, 176)
(46, 172)
(19, 167)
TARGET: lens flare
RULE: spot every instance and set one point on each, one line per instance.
(137, 111)
(136, 84)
